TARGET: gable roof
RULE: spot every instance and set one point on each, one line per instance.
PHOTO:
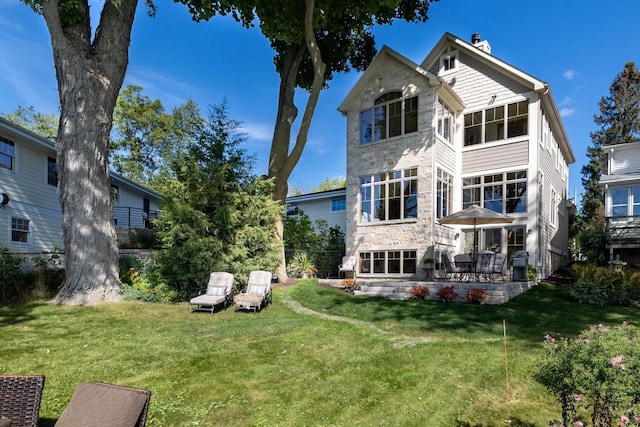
(526, 79)
(434, 81)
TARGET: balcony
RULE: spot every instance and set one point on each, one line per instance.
(623, 231)
(134, 227)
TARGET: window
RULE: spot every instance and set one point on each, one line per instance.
(388, 262)
(553, 206)
(391, 116)
(448, 62)
(494, 122)
(503, 193)
(493, 239)
(52, 172)
(446, 121)
(7, 154)
(339, 204)
(625, 201)
(19, 230)
(292, 210)
(515, 240)
(115, 193)
(389, 196)
(444, 187)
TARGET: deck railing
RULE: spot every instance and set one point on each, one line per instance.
(128, 217)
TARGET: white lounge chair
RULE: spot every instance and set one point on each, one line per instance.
(348, 265)
(219, 291)
(258, 293)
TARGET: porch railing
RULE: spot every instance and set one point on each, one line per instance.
(128, 217)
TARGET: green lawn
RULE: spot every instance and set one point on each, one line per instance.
(389, 363)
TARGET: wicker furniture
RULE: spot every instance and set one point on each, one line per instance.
(258, 293)
(20, 397)
(106, 405)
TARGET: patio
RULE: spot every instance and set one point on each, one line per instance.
(499, 291)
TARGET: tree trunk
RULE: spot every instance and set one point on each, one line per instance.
(281, 161)
(89, 77)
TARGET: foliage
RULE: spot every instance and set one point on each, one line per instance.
(330, 184)
(144, 282)
(216, 216)
(593, 241)
(302, 264)
(420, 292)
(476, 296)
(324, 242)
(447, 294)
(532, 273)
(44, 125)
(600, 286)
(595, 374)
(349, 284)
(9, 271)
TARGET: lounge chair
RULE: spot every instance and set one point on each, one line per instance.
(219, 291)
(485, 265)
(348, 265)
(258, 293)
(106, 405)
(20, 397)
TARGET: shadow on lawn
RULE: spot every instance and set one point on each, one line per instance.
(545, 309)
(17, 313)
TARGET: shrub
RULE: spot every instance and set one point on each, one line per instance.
(447, 294)
(476, 296)
(600, 286)
(9, 272)
(350, 285)
(420, 292)
(594, 375)
(144, 282)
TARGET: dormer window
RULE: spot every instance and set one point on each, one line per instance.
(448, 62)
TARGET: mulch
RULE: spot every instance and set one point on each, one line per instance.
(561, 277)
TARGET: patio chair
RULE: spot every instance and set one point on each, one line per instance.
(258, 293)
(219, 291)
(485, 265)
(348, 265)
(20, 397)
(498, 264)
(450, 270)
(106, 405)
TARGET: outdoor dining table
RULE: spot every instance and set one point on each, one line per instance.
(466, 270)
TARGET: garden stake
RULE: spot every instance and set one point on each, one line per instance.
(506, 362)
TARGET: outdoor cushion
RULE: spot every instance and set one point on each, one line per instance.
(256, 289)
(103, 405)
(216, 290)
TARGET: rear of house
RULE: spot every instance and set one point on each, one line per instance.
(462, 128)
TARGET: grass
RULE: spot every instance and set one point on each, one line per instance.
(393, 363)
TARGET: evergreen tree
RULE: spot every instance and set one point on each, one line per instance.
(216, 215)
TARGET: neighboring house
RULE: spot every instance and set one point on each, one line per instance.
(461, 128)
(330, 206)
(620, 181)
(31, 216)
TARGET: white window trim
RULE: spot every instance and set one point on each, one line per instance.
(446, 56)
(16, 152)
(29, 233)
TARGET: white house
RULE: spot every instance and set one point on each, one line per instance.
(620, 181)
(30, 212)
(330, 206)
(428, 139)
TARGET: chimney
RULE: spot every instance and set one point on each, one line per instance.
(482, 45)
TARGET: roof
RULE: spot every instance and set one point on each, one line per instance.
(514, 73)
(364, 79)
(328, 194)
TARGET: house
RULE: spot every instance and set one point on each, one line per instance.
(330, 206)
(30, 212)
(461, 128)
(620, 181)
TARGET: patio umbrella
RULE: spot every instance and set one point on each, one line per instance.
(475, 215)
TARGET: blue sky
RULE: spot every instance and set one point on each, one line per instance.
(578, 47)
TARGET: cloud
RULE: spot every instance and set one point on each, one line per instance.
(565, 101)
(569, 74)
(257, 131)
(566, 112)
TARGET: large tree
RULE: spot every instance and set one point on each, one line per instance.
(312, 40)
(90, 68)
(45, 125)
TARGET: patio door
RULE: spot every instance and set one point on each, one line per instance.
(515, 240)
(493, 239)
